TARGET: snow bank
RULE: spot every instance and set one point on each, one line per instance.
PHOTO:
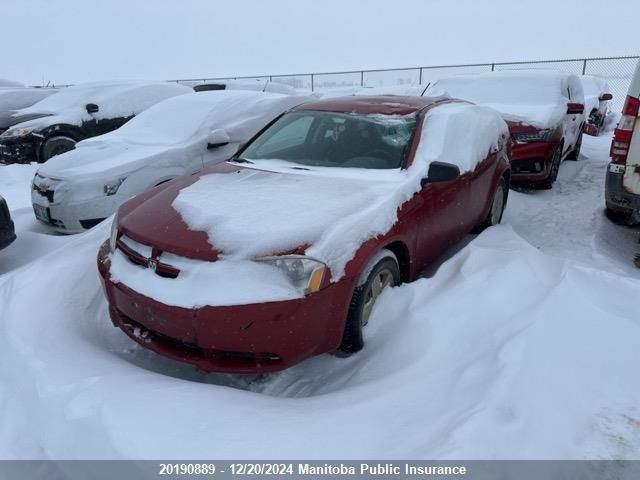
(115, 99)
(538, 98)
(504, 353)
(15, 184)
(321, 207)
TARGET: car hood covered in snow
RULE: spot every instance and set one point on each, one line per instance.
(101, 158)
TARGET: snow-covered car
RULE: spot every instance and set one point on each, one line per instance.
(7, 230)
(544, 111)
(280, 254)
(77, 190)
(75, 113)
(622, 185)
(16, 98)
(597, 99)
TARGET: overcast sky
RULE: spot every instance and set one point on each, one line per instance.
(70, 41)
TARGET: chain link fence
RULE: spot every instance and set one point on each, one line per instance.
(617, 70)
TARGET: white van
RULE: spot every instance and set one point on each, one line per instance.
(622, 187)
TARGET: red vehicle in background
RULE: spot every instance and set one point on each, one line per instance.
(355, 169)
(544, 111)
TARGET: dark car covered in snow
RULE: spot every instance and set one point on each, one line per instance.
(7, 231)
(76, 113)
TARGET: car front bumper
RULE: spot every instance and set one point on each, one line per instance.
(617, 198)
(531, 162)
(7, 229)
(73, 216)
(252, 338)
(19, 150)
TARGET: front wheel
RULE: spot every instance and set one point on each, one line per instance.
(385, 273)
(575, 153)
(55, 146)
(548, 182)
(494, 217)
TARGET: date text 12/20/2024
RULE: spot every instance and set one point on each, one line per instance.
(361, 469)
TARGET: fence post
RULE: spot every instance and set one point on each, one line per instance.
(362, 78)
(584, 66)
(493, 67)
(312, 82)
(420, 81)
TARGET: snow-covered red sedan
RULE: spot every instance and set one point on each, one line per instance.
(281, 253)
(544, 110)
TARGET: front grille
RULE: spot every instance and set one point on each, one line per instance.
(48, 194)
(137, 258)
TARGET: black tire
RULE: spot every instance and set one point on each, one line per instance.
(57, 145)
(548, 182)
(352, 340)
(620, 217)
(575, 153)
(494, 217)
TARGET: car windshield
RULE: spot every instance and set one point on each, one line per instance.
(328, 139)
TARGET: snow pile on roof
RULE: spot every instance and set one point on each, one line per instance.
(501, 347)
(538, 98)
(320, 208)
(593, 87)
(114, 99)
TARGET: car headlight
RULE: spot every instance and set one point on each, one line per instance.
(305, 273)
(531, 137)
(111, 188)
(17, 132)
(113, 238)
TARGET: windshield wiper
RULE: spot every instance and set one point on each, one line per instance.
(240, 160)
(299, 168)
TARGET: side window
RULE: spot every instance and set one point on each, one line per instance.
(292, 135)
(569, 93)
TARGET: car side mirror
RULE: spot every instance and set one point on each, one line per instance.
(441, 172)
(92, 108)
(217, 138)
(605, 96)
(575, 108)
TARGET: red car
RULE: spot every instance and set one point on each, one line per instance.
(280, 254)
(544, 110)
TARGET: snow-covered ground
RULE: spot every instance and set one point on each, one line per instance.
(522, 344)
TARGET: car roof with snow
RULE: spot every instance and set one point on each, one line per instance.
(377, 104)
